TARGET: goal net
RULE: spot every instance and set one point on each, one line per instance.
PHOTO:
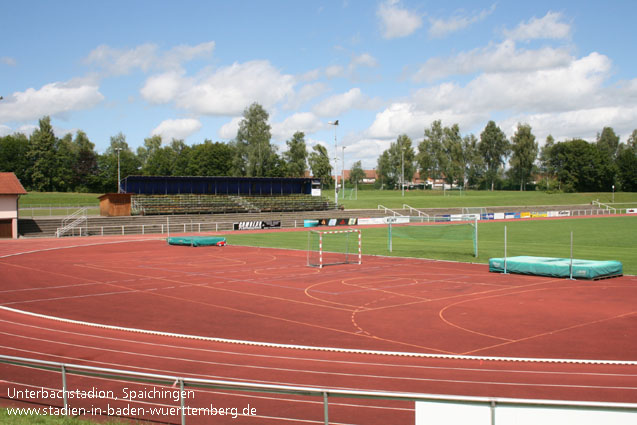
(325, 248)
(457, 234)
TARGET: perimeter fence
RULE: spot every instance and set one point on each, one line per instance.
(79, 390)
(222, 226)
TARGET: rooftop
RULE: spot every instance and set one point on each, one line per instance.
(10, 185)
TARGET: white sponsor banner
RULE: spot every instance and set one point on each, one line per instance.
(631, 211)
(498, 216)
(397, 219)
(374, 220)
(452, 414)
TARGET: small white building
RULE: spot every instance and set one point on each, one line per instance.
(10, 191)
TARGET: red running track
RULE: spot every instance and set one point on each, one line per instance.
(266, 295)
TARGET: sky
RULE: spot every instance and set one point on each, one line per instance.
(188, 69)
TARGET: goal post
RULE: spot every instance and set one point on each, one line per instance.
(326, 248)
(458, 233)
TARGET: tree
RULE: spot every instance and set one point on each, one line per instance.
(632, 141)
(144, 153)
(320, 165)
(211, 159)
(181, 153)
(42, 157)
(296, 155)
(494, 148)
(581, 166)
(255, 155)
(430, 151)
(545, 160)
(473, 164)
(356, 174)
(451, 157)
(391, 162)
(13, 156)
(129, 164)
(85, 167)
(524, 153)
(608, 142)
(627, 170)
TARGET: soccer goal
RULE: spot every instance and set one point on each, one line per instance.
(455, 234)
(326, 248)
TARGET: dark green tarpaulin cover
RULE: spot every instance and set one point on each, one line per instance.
(197, 240)
(556, 267)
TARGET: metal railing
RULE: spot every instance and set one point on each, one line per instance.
(608, 207)
(412, 209)
(181, 384)
(77, 220)
(385, 210)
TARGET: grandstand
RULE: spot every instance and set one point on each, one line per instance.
(222, 204)
(158, 195)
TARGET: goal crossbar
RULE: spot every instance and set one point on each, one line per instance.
(326, 248)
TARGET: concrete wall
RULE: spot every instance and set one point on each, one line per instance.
(9, 210)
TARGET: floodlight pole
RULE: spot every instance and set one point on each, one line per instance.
(402, 155)
(118, 150)
(335, 124)
(343, 174)
(613, 194)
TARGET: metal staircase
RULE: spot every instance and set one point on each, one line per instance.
(78, 220)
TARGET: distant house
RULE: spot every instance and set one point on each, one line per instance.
(10, 191)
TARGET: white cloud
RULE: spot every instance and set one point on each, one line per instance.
(229, 130)
(224, 91)
(564, 91)
(8, 61)
(341, 103)
(396, 21)
(176, 129)
(51, 99)
(305, 94)
(164, 88)
(548, 27)
(364, 59)
(503, 57)
(334, 71)
(306, 122)
(120, 61)
(145, 57)
(440, 28)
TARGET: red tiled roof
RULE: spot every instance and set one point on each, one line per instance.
(10, 185)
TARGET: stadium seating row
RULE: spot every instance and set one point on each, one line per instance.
(219, 204)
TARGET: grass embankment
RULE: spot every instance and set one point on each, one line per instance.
(370, 199)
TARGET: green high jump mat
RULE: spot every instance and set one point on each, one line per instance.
(557, 267)
(197, 240)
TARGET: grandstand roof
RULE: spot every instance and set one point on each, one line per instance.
(10, 185)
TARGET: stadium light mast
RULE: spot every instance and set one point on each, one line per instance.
(118, 150)
(335, 124)
(343, 173)
(402, 156)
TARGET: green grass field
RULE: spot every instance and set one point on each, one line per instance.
(604, 238)
(476, 198)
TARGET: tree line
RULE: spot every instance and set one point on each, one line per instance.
(44, 162)
(481, 163)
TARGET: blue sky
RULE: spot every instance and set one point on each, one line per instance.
(188, 69)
